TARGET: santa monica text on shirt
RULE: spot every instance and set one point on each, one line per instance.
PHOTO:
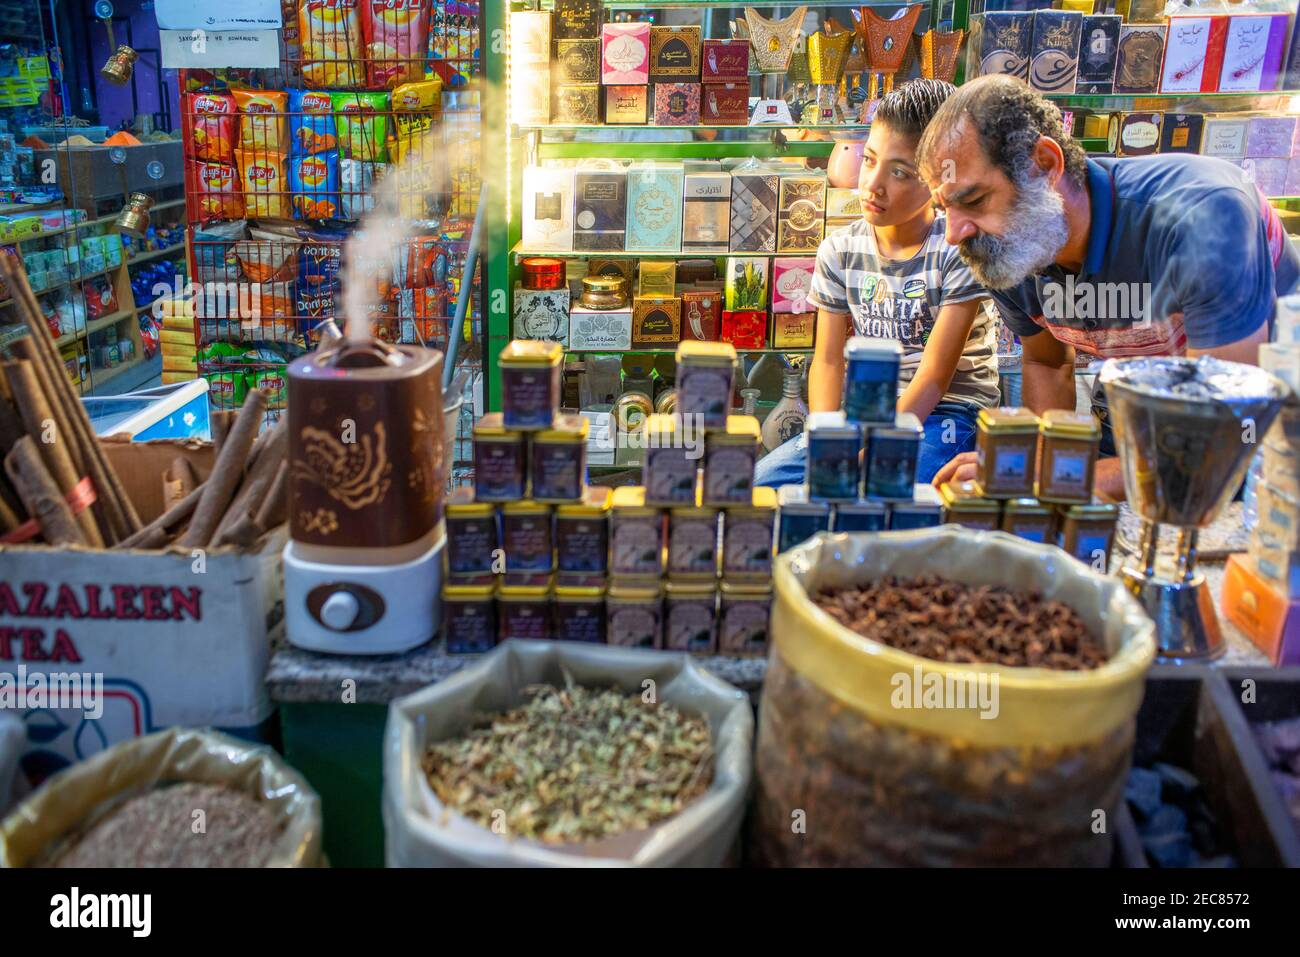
(1128, 301)
(103, 910)
(955, 691)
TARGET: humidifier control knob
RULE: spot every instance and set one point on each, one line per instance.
(340, 610)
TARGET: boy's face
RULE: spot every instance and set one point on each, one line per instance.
(889, 185)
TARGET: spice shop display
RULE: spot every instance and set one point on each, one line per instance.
(896, 782)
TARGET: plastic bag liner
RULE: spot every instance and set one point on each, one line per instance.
(67, 801)
(882, 781)
(422, 832)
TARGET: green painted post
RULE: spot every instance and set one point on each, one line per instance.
(495, 141)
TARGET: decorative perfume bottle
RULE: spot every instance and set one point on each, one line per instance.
(786, 420)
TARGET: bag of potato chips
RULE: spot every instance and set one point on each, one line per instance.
(212, 131)
(261, 176)
(315, 183)
(261, 120)
(217, 188)
(311, 123)
(330, 34)
(424, 96)
(396, 33)
(362, 123)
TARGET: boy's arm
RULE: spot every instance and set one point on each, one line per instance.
(943, 350)
(826, 374)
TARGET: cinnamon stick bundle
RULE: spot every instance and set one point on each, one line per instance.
(41, 494)
(178, 481)
(226, 474)
(156, 531)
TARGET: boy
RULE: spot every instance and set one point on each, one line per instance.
(893, 276)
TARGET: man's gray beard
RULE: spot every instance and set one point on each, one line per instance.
(1036, 231)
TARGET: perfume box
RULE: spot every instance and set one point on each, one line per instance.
(677, 104)
(793, 330)
(530, 101)
(654, 208)
(1293, 177)
(745, 329)
(600, 210)
(1269, 137)
(1054, 52)
(724, 104)
(706, 212)
(542, 314)
(1134, 134)
(576, 61)
(791, 284)
(843, 207)
(725, 61)
(590, 329)
(802, 221)
(1098, 47)
(701, 314)
(1141, 53)
(657, 278)
(625, 54)
(1291, 74)
(656, 320)
(547, 209)
(675, 52)
(1225, 137)
(753, 211)
(693, 272)
(1267, 173)
(1252, 57)
(530, 39)
(611, 267)
(1194, 52)
(745, 285)
(577, 19)
(627, 104)
(1000, 43)
(576, 104)
(1181, 132)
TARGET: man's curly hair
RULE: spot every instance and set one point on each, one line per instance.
(1009, 118)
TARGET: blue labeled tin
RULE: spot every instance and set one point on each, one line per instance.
(871, 380)
(834, 453)
(889, 467)
(798, 518)
(860, 517)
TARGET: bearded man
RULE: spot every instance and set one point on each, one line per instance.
(1174, 254)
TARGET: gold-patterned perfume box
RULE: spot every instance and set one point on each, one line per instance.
(627, 104)
(656, 319)
(802, 210)
(577, 61)
(576, 104)
(675, 52)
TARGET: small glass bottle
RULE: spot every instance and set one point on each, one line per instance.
(750, 399)
(787, 419)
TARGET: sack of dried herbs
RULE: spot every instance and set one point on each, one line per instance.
(137, 805)
(1005, 739)
(554, 754)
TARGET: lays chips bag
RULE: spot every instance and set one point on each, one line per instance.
(311, 123)
(212, 131)
(396, 34)
(315, 183)
(217, 188)
(330, 34)
(421, 97)
(262, 120)
(265, 187)
(362, 123)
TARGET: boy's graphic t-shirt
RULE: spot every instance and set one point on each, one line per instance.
(900, 299)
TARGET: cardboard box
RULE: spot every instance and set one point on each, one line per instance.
(547, 208)
(1268, 618)
(1276, 563)
(1253, 52)
(1194, 51)
(791, 284)
(706, 212)
(542, 314)
(675, 52)
(754, 197)
(1278, 515)
(725, 61)
(1000, 42)
(843, 208)
(1054, 52)
(1098, 49)
(701, 315)
(577, 61)
(628, 105)
(1181, 132)
(1134, 134)
(625, 54)
(677, 104)
(793, 330)
(611, 267)
(1140, 57)
(724, 104)
(577, 19)
(657, 278)
(600, 209)
(1270, 137)
(802, 221)
(1268, 175)
(576, 104)
(654, 208)
(746, 285)
(592, 329)
(1291, 74)
(167, 638)
(656, 321)
(1225, 137)
(745, 329)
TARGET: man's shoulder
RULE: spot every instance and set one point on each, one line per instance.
(1187, 179)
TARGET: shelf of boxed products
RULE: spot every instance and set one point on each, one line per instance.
(89, 223)
(1137, 100)
(672, 351)
(660, 127)
(520, 253)
(65, 282)
(156, 254)
(101, 376)
(94, 326)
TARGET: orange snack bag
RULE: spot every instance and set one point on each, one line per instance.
(396, 33)
(330, 34)
(212, 132)
(216, 186)
(265, 186)
(262, 120)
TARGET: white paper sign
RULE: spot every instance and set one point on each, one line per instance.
(206, 49)
(227, 15)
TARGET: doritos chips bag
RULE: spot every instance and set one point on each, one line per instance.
(362, 123)
(319, 257)
(315, 184)
(264, 184)
(396, 33)
(316, 303)
(212, 132)
(262, 120)
(217, 188)
(311, 123)
(330, 34)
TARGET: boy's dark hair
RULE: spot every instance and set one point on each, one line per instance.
(1008, 117)
(909, 108)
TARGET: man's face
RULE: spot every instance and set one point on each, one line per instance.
(1005, 230)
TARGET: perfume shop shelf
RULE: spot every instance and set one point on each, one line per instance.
(1103, 101)
(768, 350)
(520, 253)
(652, 128)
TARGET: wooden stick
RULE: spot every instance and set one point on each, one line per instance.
(226, 472)
(260, 475)
(172, 517)
(108, 487)
(38, 419)
(253, 498)
(9, 519)
(41, 495)
(178, 481)
(221, 421)
(274, 505)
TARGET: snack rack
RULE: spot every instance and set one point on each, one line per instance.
(302, 154)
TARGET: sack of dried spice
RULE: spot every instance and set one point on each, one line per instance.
(556, 754)
(1008, 743)
(176, 798)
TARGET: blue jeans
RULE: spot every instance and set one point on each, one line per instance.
(949, 429)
